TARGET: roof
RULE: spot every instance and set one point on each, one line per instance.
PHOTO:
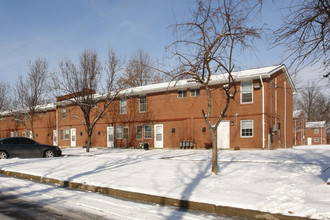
(264, 72)
(40, 108)
(315, 124)
(297, 113)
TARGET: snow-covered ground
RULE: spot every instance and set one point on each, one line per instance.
(288, 181)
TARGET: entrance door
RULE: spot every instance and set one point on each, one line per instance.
(309, 141)
(110, 137)
(73, 137)
(158, 139)
(55, 143)
(223, 135)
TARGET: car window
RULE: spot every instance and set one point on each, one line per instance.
(26, 141)
(11, 141)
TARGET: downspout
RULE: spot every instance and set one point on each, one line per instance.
(57, 134)
(284, 114)
(263, 113)
(321, 135)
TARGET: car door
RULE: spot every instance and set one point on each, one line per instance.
(13, 147)
(29, 148)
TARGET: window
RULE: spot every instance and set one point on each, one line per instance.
(316, 139)
(66, 134)
(143, 104)
(139, 132)
(123, 106)
(246, 92)
(194, 92)
(246, 128)
(26, 141)
(63, 112)
(126, 130)
(61, 134)
(147, 131)
(316, 131)
(182, 93)
(119, 132)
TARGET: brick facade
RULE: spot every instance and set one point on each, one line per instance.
(169, 119)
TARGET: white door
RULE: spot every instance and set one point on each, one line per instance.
(73, 137)
(110, 137)
(159, 139)
(309, 141)
(223, 135)
(55, 143)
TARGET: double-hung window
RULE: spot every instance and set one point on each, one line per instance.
(63, 112)
(147, 131)
(246, 128)
(125, 132)
(182, 93)
(119, 132)
(143, 103)
(194, 92)
(66, 134)
(246, 92)
(123, 106)
(139, 130)
(316, 131)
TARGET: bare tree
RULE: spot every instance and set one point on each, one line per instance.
(139, 71)
(305, 32)
(81, 82)
(205, 46)
(31, 92)
(4, 96)
(314, 104)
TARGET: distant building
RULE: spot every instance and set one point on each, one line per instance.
(298, 127)
(169, 115)
(316, 133)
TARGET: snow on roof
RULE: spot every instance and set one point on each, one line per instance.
(315, 124)
(264, 72)
(296, 113)
(40, 108)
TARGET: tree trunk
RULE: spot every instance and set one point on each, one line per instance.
(88, 142)
(214, 152)
(32, 130)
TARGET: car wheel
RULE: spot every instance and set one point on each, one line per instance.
(49, 153)
(3, 155)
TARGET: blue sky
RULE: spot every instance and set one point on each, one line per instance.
(57, 29)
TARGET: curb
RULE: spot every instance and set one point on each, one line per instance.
(197, 206)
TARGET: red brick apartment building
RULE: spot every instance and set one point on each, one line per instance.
(169, 115)
(316, 133)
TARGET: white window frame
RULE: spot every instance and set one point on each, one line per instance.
(119, 133)
(145, 133)
(193, 92)
(66, 134)
(241, 128)
(316, 131)
(139, 137)
(63, 112)
(123, 106)
(241, 93)
(316, 140)
(143, 104)
(182, 93)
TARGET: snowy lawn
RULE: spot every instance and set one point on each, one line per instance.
(291, 182)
